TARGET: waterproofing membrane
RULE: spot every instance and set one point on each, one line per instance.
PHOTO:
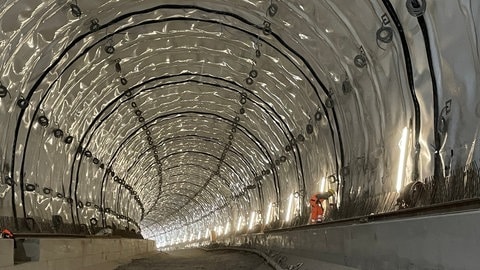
(196, 101)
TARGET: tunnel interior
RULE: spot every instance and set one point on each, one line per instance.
(175, 118)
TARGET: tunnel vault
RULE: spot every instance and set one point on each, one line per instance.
(175, 118)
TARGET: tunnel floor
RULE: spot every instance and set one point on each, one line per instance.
(199, 259)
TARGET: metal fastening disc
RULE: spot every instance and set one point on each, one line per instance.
(360, 61)
(109, 49)
(253, 73)
(288, 148)
(258, 53)
(58, 133)
(123, 81)
(272, 9)
(118, 67)
(283, 158)
(88, 154)
(30, 187)
(76, 11)
(9, 181)
(68, 139)
(3, 91)
(47, 190)
(346, 87)
(96, 161)
(329, 103)
(242, 110)
(43, 121)
(133, 104)
(22, 103)
(249, 81)
(138, 112)
(309, 129)
(94, 26)
(416, 8)
(385, 34)
(267, 30)
(93, 221)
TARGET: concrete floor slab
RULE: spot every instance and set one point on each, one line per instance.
(191, 259)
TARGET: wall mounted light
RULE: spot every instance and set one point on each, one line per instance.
(323, 184)
(240, 220)
(289, 208)
(269, 214)
(401, 162)
(252, 220)
(227, 228)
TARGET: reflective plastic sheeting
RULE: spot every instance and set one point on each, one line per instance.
(187, 117)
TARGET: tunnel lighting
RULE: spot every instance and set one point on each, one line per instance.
(207, 233)
(323, 184)
(339, 193)
(252, 220)
(269, 214)
(199, 235)
(227, 228)
(289, 209)
(401, 163)
(239, 223)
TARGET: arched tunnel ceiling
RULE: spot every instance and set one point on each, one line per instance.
(187, 114)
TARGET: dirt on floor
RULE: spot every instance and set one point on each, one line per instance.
(195, 259)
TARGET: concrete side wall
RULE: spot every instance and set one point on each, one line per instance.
(84, 253)
(442, 242)
(6, 252)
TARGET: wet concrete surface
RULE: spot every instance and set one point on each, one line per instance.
(195, 259)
